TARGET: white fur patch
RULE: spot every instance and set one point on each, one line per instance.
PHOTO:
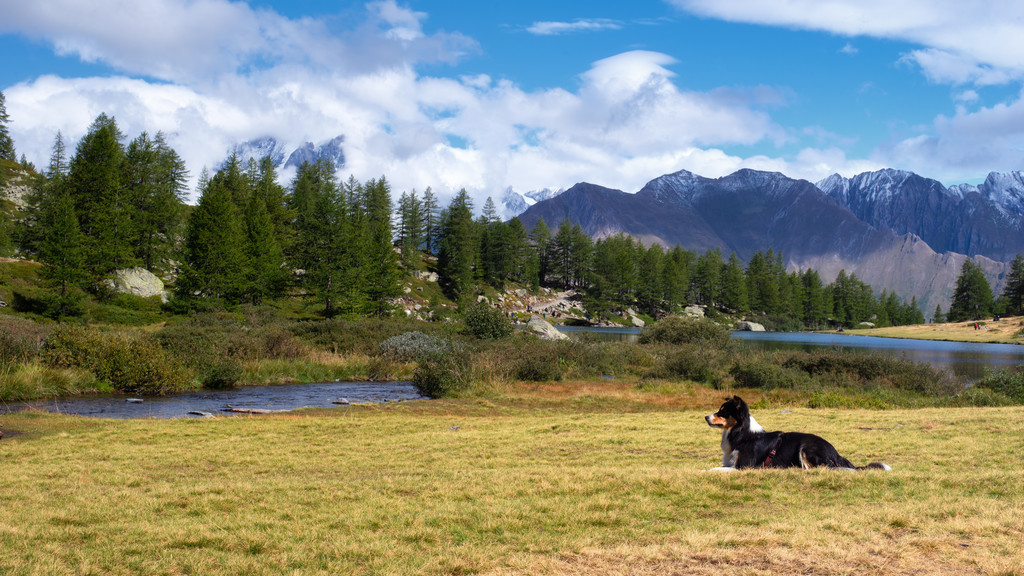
(721, 469)
(754, 426)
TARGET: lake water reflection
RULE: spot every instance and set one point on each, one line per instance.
(968, 360)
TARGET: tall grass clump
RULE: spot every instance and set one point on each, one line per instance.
(696, 363)
(131, 364)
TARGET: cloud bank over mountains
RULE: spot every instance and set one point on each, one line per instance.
(214, 73)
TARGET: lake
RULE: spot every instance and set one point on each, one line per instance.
(216, 402)
(967, 360)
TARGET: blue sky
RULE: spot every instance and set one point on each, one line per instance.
(535, 94)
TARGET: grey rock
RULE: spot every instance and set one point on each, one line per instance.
(749, 326)
(138, 282)
(543, 329)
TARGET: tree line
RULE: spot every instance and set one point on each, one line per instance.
(619, 272)
(109, 205)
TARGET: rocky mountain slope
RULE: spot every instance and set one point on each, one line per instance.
(876, 225)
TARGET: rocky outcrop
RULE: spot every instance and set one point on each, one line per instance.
(137, 282)
(543, 329)
(745, 326)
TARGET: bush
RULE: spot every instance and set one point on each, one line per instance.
(695, 363)
(1009, 384)
(487, 323)
(534, 369)
(445, 374)
(685, 330)
(222, 375)
(411, 346)
(20, 339)
(761, 372)
(131, 365)
(878, 369)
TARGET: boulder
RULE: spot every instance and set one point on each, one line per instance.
(426, 276)
(866, 325)
(543, 329)
(137, 282)
(636, 322)
(749, 326)
(694, 311)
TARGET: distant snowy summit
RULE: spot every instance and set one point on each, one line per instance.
(332, 151)
(513, 203)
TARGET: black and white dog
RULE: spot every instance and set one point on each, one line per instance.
(745, 444)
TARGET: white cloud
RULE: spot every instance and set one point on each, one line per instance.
(626, 122)
(580, 25)
(960, 147)
(195, 40)
(849, 49)
(966, 41)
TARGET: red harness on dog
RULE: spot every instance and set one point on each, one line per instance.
(768, 460)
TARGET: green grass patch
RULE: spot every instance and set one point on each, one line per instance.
(476, 487)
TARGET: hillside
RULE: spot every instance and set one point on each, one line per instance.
(859, 225)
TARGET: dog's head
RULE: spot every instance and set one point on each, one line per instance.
(732, 412)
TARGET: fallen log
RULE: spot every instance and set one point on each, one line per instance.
(231, 408)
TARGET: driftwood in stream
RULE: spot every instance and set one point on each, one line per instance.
(231, 408)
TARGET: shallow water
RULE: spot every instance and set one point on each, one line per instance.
(210, 402)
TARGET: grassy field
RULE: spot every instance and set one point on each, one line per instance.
(1004, 331)
(561, 479)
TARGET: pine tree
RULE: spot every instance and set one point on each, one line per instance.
(431, 222)
(6, 143)
(1013, 293)
(706, 280)
(938, 317)
(457, 250)
(265, 273)
(263, 179)
(154, 178)
(60, 245)
(214, 260)
(734, 285)
(816, 305)
(540, 239)
(410, 228)
(648, 288)
(321, 239)
(103, 210)
(972, 299)
(382, 273)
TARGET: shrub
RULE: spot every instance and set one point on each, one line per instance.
(131, 365)
(20, 339)
(222, 375)
(535, 369)
(685, 330)
(487, 323)
(1009, 384)
(761, 372)
(695, 363)
(411, 346)
(445, 374)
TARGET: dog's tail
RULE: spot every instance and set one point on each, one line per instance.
(876, 466)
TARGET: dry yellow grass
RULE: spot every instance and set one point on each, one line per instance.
(561, 479)
(1003, 331)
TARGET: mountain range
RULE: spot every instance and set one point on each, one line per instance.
(895, 230)
(292, 157)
